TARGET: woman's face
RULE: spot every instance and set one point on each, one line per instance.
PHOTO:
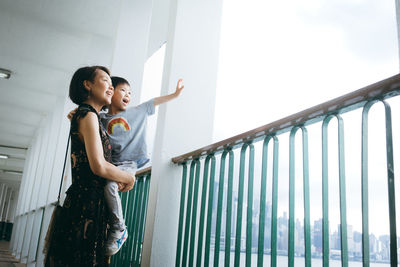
(101, 89)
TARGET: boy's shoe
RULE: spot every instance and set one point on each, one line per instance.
(115, 241)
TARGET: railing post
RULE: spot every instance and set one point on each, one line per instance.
(194, 213)
(188, 214)
(261, 224)
(209, 213)
(391, 187)
(228, 229)
(203, 209)
(219, 208)
(306, 195)
(342, 191)
(181, 214)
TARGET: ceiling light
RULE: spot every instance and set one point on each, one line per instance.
(12, 172)
(2, 156)
(5, 74)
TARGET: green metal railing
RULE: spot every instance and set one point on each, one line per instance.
(191, 224)
(134, 206)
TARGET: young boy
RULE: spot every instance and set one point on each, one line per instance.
(126, 127)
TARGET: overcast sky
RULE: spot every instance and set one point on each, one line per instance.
(280, 57)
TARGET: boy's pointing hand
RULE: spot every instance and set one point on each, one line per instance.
(179, 87)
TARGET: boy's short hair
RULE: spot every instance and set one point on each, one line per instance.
(118, 80)
(77, 91)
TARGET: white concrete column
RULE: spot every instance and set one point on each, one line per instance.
(397, 3)
(184, 124)
(13, 204)
(62, 134)
(3, 200)
(55, 120)
(131, 42)
(7, 207)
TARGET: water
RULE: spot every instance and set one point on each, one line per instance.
(283, 261)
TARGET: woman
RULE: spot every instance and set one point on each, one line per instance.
(80, 236)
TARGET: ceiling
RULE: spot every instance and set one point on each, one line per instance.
(42, 43)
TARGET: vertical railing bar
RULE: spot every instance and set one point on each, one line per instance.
(364, 183)
(219, 209)
(249, 216)
(134, 219)
(140, 210)
(342, 188)
(209, 213)
(306, 195)
(134, 195)
(274, 213)
(263, 190)
(124, 205)
(238, 238)
(143, 216)
(40, 233)
(228, 230)
(202, 211)
(291, 196)
(128, 219)
(188, 214)
(181, 213)
(325, 193)
(391, 187)
(194, 213)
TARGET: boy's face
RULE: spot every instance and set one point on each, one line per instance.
(121, 97)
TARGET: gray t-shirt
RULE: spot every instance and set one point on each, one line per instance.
(127, 133)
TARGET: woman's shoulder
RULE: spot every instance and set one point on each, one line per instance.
(83, 110)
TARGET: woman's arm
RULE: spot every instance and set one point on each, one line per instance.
(89, 133)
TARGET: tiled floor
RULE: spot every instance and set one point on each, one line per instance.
(6, 259)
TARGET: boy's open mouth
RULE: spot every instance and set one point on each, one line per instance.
(125, 101)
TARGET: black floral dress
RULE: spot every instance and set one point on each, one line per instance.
(81, 234)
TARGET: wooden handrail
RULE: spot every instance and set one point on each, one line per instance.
(380, 90)
(143, 171)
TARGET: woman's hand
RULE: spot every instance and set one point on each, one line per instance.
(126, 187)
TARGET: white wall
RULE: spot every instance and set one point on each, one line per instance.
(184, 124)
(131, 41)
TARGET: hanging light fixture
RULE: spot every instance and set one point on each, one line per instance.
(5, 74)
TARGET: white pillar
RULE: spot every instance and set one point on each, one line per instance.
(131, 42)
(3, 199)
(397, 3)
(184, 124)
(7, 207)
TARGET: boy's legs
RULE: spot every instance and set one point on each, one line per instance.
(113, 201)
(118, 233)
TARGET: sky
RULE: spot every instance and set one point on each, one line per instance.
(280, 57)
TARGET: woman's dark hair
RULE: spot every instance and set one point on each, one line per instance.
(77, 91)
(118, 80)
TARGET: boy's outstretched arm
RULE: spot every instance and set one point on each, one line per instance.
(163, 99)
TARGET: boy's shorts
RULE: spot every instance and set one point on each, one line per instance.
(128, 166)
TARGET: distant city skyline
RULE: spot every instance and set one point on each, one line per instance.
(379, 245)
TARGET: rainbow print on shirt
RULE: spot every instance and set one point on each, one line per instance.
(117, 122)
